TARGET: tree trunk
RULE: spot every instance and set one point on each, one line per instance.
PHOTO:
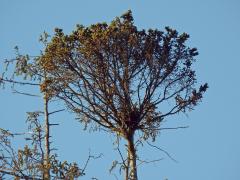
(46, 174)
(132, 169)
(127, 170)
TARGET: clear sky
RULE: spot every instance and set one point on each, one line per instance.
(209, 149)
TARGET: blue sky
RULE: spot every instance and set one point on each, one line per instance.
(209, 149)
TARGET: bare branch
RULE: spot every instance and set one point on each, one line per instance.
(19, 82)
(88, 160)
(160, 149)
(147, 161)
(26, 94)
(174, 128)
(53, 112)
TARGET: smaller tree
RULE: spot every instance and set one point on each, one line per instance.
(29, 162)
(122, 79)
(36, 160)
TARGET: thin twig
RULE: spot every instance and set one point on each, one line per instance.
(89, 158)
(147, 162)
(26, 94)
(174, 128)
(160, 149)
(18, 82)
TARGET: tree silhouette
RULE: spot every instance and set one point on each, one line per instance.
(119, 77)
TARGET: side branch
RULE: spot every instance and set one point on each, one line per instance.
(19, 176)
(173, 128)
(160, 149)
(18, 82)
(60, 110)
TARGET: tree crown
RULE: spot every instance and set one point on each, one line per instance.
(118, 76)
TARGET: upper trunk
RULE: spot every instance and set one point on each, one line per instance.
(131, 171)
(46, 174)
